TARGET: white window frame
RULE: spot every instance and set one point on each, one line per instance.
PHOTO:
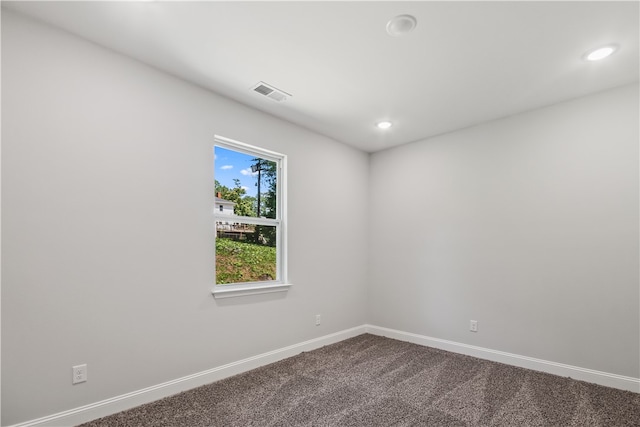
(281, 283)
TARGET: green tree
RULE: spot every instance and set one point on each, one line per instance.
(266, 201)
(243, 203)
(266, 181)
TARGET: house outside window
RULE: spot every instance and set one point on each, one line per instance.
(224, 206)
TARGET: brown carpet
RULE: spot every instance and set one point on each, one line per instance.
(375, 381)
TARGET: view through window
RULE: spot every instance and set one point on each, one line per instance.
(248, 215)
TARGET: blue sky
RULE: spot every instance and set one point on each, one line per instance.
(231, 164)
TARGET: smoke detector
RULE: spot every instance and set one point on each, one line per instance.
(271, 92)
(401, 25)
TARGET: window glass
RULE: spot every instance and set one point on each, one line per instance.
(249, 243)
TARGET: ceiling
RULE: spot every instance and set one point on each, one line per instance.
(465, 63)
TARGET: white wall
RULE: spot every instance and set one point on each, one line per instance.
(528, 225)
(107, 243)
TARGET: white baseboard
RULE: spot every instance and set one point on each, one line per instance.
(130, 400)
(123, 402)
(577, 373)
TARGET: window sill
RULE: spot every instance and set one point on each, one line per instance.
(231, 291)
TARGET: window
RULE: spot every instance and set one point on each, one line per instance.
(250, 238)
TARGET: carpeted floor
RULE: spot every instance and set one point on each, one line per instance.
(375, 381)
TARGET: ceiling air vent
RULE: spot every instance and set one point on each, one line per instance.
(271, 92)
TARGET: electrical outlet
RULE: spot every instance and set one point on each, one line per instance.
(79, 374)
(317, 319)
(473, 325)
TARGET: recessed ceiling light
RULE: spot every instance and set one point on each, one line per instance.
(401, 25)
(384, 125)
(600, 53)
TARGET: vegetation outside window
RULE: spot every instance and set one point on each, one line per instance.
(249, 216)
